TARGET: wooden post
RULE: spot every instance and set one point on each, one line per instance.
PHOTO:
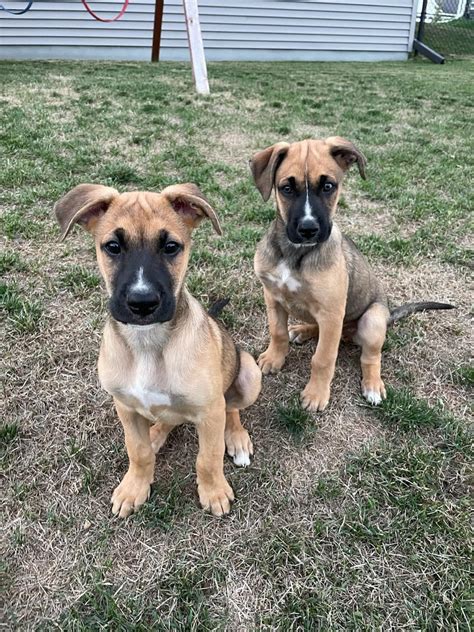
(155, 48)
(196, 48)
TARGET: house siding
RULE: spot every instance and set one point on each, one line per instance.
(251, 30)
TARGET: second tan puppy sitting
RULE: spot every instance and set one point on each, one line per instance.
(163, 358)
(309, 270)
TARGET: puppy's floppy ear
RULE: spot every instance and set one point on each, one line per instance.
(264, 165)
(346, 154)
(85, 205)
(190, 204)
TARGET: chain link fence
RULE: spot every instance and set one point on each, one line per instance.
(447, 27)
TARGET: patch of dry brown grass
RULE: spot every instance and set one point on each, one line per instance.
(70, 454)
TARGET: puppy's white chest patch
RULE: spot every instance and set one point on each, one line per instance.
(281, 277)
(148, 398)
(145, 401)
(145, 393)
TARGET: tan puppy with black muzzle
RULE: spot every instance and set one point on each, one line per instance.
(309, 270)
(163, 358)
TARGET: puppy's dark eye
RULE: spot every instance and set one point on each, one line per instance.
(328, 186)
(112, 248)
(172, 248)
(287, 189)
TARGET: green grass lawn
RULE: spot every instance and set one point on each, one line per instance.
(354, 519)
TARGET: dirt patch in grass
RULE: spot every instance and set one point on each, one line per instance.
(357, 210)
(440, 340)
(232, 147)
(302, 130)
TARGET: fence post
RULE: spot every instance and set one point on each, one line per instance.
(421, 25)
(157, 26)
(196, 48)
(467, 11)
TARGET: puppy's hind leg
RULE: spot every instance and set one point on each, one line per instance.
(237, 440)
(302, 332)
(158, 434)
(242, 393)
(370, 335)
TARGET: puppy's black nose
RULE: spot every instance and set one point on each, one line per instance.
(142, 303)
(307, 228)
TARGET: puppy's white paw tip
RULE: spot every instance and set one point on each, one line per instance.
(373, 397)
(295, 338)
(242, 458)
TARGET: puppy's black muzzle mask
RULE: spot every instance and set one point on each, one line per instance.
(132, 308)
(142, 291)
(308, 228)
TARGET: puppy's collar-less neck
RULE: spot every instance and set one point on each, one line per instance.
(295, 254)
(156, 335)
(288, 249)
(142, 338)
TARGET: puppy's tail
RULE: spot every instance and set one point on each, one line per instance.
(411, 308)
(217, 307)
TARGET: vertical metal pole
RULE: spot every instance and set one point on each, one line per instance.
(421, 25)
(157, 25)
(196, 48)
(467, 10)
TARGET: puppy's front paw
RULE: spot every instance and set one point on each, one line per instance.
(216, 498)
(374, 391)
(315, 399)
(239, 446)
(271, 361)
(132, 492)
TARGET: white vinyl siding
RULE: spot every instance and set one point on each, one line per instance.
(64, 30)
(232, 30)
